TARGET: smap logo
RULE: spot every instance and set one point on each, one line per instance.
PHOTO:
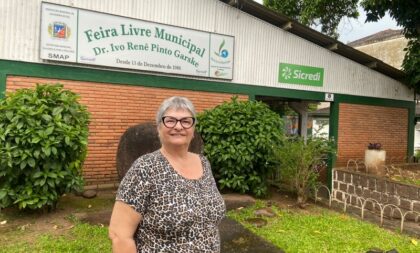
(59, 30)
(62, 57)
(222, 52)
(286, 73)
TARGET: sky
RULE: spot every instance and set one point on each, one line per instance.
(352, 29)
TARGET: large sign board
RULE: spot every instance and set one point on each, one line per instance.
(82, 36)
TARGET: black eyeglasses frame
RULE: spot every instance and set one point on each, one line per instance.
(178, 120)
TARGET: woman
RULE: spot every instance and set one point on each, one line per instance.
(168, 200)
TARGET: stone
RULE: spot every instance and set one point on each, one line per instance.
(257, 222)
(403, 190)
(416, 206)
(351, 189)
(395, 200)
(413, 192)
(267, 212)
(364, 182)
(89, 194)
(375, 250)
(372, 183)
(142, 139)
(340, 176)
(78, 193)
(406, 204)
(343, 187)
(348, 178)
(380, 185)
(356, 180)
(234, 200)
(390, 188)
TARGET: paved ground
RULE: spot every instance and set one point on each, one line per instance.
(236, 239)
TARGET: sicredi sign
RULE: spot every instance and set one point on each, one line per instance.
(298, 74)
(75, 35)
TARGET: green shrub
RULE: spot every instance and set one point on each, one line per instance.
(43, 143)
(300, 163)
(239, 137)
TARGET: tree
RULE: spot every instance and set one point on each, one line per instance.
(326, 13)
(407, 15)
(300, 163)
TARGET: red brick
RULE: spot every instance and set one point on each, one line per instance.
(360, 125)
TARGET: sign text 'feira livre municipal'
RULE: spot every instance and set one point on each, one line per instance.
(82, 36)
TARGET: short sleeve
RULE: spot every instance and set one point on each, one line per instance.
(135, 187)
(208, 168)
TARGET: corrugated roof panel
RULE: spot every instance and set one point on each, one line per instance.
(259, 46)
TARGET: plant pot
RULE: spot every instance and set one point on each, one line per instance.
(374, 159)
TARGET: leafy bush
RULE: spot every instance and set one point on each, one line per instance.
(43, 143)
(300, 163)
(239, 137)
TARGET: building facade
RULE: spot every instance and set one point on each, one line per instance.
(238, 49)
(388, 46)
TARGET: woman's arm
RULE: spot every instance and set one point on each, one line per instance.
(123, 225)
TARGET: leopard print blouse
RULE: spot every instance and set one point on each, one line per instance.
(178, 214)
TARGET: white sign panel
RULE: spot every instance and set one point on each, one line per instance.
(221, 56)
(329, 97)
(115, 41)
(58, 33)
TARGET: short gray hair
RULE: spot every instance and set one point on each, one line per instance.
(174, 103)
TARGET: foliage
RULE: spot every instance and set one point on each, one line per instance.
(411, 64)
(320, 230)
(326, 13)
(239, 138)
(375, 146)
(417, 154)
(43, 143)
(406, 180)
(407, 15)
(300, 163)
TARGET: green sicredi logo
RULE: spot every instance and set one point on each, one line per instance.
(298, 74)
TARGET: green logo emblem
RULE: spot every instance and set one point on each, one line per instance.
(286, 72)
(222, 52)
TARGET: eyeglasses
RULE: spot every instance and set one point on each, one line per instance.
(170, 122)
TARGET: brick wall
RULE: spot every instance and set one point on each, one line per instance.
(360, 125)
(115, 108)
(348, 185)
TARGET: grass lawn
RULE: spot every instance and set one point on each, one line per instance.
(60, 230)
(80, 238)
(314, 229)
(321, 230)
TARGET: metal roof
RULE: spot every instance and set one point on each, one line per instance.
(284, 22)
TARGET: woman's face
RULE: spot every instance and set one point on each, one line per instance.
(179, 129)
